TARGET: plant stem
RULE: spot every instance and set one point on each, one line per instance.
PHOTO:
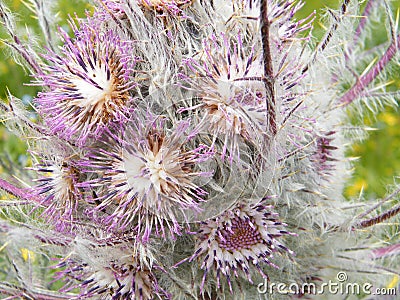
(386, 251)
(363, 21)
(391, 196)
(379, 219)
(366, 79)
(17, 192)
(268, 69)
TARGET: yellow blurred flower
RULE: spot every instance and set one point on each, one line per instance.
(355, 189)
(389, 118)
(27, 255)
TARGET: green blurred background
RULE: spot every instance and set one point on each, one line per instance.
(379, 155)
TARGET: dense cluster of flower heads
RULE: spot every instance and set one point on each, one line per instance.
(193, 149)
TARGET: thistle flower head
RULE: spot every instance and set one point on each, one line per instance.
(59, 190)
(88, 84)
(151, 177)
(173, 7)
(160, 8)
(126, 281)
(238, 239)
(108, 276)
(231, 97)
(113, 6)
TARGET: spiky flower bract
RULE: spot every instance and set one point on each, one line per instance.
(228, 84)
(169, 6)
(240, 239)
(150, 178)
(88, 83)
(121, 275)
(59, 189)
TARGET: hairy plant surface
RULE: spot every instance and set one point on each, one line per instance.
(195, 150)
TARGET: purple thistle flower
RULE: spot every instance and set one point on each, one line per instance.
(231, 97)
(109, 277)
(174, 7)
(151, 178)
(88, 84)
(59, 188)
(114, 6)
(161, 7)
(235, 240)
